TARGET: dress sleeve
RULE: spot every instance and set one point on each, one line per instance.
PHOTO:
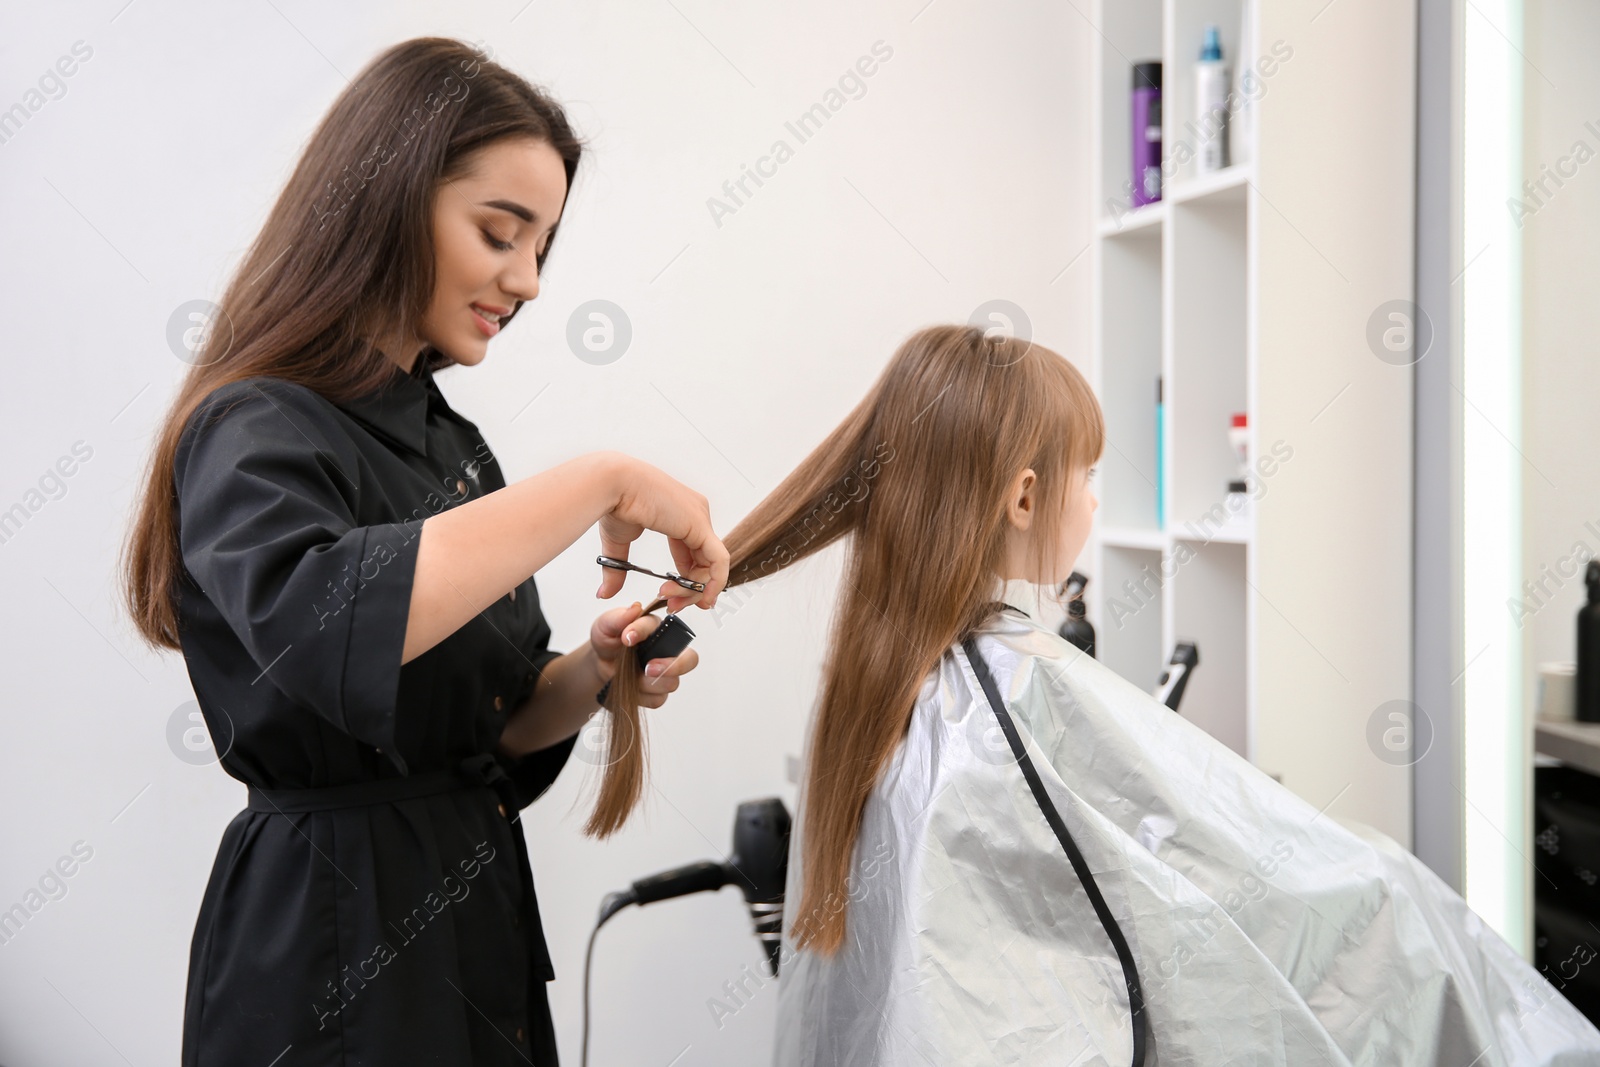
(535, 772)
(267, 498)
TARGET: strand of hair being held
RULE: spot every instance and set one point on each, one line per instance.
(784, 528)
(623, 778)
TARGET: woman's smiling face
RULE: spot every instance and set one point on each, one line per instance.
(489, 229)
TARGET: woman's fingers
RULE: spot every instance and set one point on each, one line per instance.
(709, 564)
(610, 627)
(678, 598)
(610, 583)
(640, 628)
(655, 686)
(670, 670)
(616, 537)
(655, 500)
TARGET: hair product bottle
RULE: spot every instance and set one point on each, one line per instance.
(1077, 629)
(1211, 81)
(1588, 709)
(1146, 133)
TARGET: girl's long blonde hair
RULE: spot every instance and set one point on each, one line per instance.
(919, 472)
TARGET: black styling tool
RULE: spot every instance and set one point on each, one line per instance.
(666, 641)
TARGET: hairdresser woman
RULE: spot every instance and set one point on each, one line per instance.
(350, 580)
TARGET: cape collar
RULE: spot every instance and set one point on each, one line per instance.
(1020, 594)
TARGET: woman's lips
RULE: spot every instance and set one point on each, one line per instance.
(486, 326)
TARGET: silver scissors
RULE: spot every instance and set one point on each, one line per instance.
(624, 565)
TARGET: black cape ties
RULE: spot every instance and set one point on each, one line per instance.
(374, 902)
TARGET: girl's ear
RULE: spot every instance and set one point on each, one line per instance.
(1022, 498)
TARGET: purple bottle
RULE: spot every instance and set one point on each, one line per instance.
(1146, 133)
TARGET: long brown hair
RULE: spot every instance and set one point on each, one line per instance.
(346, 250)
(919, 472)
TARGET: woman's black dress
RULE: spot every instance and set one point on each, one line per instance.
(373, 904)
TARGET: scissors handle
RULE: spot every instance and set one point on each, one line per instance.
(624, 565)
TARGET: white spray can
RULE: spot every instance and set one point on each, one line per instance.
(1211, 80)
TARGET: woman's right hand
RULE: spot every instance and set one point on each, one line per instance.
(650, 499)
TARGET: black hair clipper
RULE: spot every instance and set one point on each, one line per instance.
(666, 641)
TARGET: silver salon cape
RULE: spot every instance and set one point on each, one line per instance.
(1263, 932)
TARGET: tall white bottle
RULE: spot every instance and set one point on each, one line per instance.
(1212, 80)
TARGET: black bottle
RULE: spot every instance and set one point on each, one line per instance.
(1588, 709)
(1077, 629)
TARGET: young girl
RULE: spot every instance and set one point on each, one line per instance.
(1008, 854)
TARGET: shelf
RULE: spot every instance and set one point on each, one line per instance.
(1140, 222)
(1221, 301)
(1233, 533)
(1226, 186)
(1171, 321)
(1150, 539)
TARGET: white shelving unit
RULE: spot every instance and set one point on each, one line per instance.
(1178, 299)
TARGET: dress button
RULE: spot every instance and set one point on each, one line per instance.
(513, 593)
(519, 1033)
(499, 703)
(461, 487)
(502, 808)
(516, 920)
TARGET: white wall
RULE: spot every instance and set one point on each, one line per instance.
(1333, 571)
(1561, 268)
(957, 178)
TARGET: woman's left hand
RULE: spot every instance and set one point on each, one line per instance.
(627, 626)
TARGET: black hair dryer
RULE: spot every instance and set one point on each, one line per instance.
(1077, 629)
(759, 866)
(761, 857)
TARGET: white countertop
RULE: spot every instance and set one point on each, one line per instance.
(1576, 743)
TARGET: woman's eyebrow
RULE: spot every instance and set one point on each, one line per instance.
(513, 207)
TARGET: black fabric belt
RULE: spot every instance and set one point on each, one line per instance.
(359, 794)
(470, 773)
(474, 772)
